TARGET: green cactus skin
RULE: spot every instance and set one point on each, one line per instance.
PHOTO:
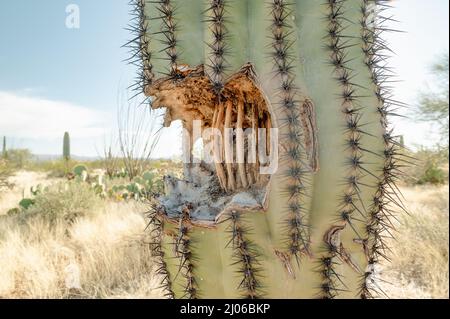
(66, 147)
(325, 225)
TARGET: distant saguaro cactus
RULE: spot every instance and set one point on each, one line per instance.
(66, 147)
(4, 150)
(314, 71)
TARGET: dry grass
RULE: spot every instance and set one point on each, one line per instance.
(420, 253)
(103, 255)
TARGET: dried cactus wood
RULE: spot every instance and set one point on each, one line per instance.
(314, 70)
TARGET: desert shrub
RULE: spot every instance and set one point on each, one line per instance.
(432, 174)
(5, 173)
(19, 158)
(430, 167)
(58, 168)
(13, 212)
(63, 201)
(53, 168)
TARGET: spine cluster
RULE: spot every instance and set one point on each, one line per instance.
(246, 256)
(351, 208)
(139, 46)
(297, 235)
(156, 233)
(380, 226)
(168, 29)
(183, 249)
(218, 46)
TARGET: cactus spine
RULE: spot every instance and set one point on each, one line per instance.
(318, 69)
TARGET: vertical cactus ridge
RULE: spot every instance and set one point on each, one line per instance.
(183, 248)
(156, 225)
(351, 199)
(380, 225)
(374, 244)
(168, 29)
(216, 20)
(140, 54)
(245, 256)
(328, 288)
(296, 232)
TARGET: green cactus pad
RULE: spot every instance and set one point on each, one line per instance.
(79, 169)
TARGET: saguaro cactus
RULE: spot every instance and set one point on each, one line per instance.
(314, 70)
(4, 150)
(66, 147)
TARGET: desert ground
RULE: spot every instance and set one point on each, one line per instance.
(103, 252)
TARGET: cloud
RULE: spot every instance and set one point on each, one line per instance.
(23, 116)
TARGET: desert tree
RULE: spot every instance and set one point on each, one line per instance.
(433, 105)
(109, 157)
(138, 134)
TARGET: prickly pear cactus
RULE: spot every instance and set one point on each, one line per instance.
(309, 78)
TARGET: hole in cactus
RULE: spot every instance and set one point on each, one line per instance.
(233, 130)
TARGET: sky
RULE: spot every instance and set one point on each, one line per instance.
(425, 26)
(55, 79)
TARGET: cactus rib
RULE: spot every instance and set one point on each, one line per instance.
(296, 232)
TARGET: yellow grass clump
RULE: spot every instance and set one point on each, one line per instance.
(101, 255)
(420, 251)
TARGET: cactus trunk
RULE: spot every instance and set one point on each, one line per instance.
(313, 70)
